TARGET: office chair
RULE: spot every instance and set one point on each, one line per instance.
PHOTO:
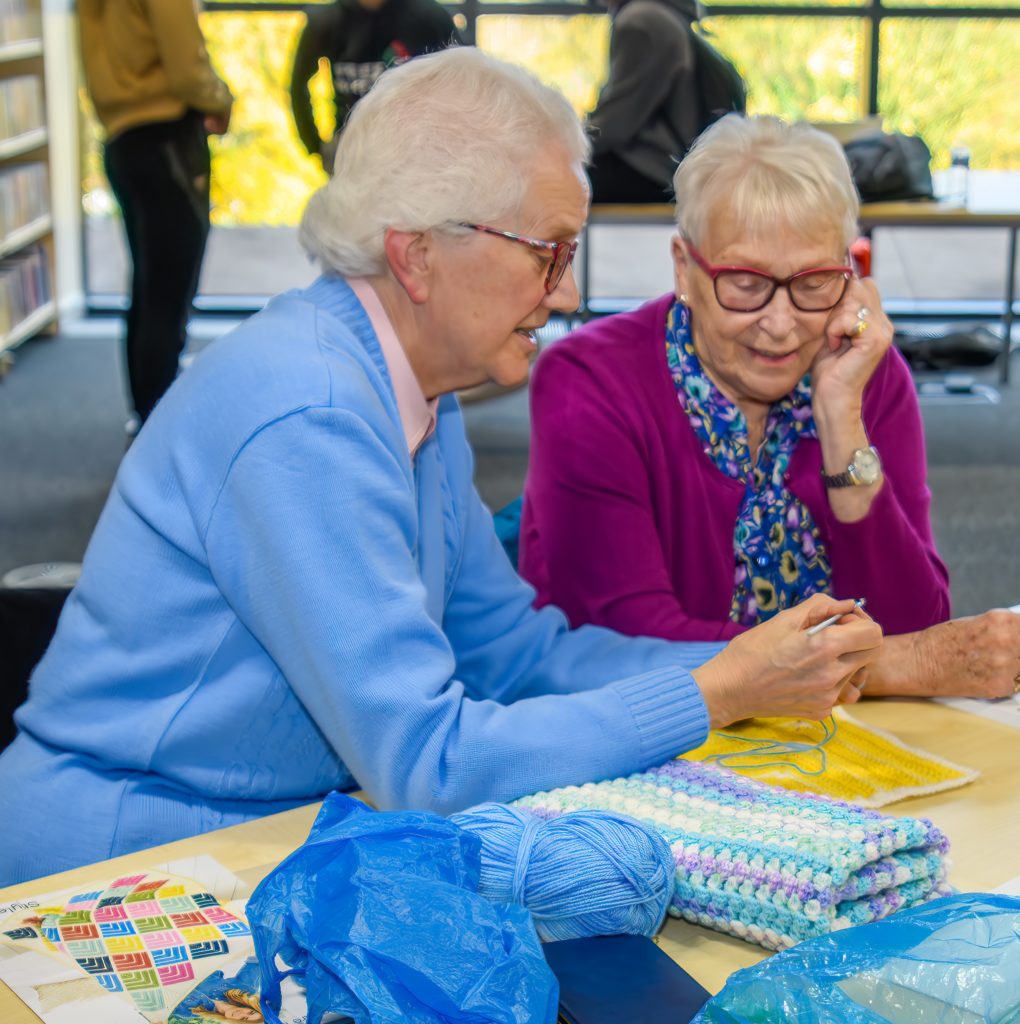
(28, 620)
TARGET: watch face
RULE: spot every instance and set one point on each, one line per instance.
(867, 466)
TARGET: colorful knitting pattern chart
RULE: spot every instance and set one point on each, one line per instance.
(147, 938)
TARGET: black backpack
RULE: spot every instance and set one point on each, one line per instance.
(718, 84)
(888, 167)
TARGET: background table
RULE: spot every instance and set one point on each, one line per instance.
(995, 205)
(981, 819)
(927, 214)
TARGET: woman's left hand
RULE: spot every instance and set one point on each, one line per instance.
(857, 336)
(977, 656)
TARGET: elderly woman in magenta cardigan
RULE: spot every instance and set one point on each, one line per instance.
(713, 457)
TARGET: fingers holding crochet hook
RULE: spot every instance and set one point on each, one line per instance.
(779, 669)
(833, 619)
(855, 683)
(851, 639)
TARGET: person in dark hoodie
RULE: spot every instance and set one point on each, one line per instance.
(647, 111)
(360, 39)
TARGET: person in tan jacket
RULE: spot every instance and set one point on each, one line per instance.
(158, 99)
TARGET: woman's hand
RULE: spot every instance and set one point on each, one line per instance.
(850, 353)
(778, 670)
(977, 656)
(218, 124)
(853, 347)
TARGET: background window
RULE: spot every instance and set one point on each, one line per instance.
(800, 68)
(570, 53)
(962, 91)
(966, 89)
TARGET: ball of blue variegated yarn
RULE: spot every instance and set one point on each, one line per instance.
(582, 873)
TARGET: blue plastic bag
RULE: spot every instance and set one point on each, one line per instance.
(954, 960)
(379, 916)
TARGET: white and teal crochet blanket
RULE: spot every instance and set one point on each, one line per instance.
(766, 864)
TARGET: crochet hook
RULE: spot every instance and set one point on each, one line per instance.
(859, 603)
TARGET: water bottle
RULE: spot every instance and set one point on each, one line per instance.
(957, 183)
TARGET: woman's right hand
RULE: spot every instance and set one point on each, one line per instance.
(218, 124)
(777, 670)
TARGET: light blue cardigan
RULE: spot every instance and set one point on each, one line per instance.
(278, 601)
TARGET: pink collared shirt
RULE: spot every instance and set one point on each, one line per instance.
(417, 413)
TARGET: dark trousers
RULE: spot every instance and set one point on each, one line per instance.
(615, 181)
(160, 176)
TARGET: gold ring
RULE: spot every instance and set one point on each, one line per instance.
(859, 328)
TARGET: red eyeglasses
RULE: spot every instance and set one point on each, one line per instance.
(746, 290)
(562, 253)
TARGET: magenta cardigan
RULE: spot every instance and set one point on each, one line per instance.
(627, 523)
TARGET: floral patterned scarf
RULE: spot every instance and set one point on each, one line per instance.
(780, 559)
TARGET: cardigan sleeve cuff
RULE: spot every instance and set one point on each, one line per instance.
(668, 712)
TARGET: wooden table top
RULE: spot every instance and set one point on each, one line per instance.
(982, 820)
(927, 213)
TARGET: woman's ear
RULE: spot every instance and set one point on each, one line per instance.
(410, 255)
(681, 268)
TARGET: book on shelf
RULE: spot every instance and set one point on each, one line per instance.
(24, 286)
(19, 21)
(24, 196)
(21, 105)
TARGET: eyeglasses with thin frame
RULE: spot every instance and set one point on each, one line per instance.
(562, 253)
(746, 290)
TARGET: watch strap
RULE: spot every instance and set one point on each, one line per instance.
(843, 479)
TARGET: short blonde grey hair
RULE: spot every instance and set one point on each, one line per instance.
(766, 171)
(453, 136)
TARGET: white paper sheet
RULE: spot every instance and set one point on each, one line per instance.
(51, 983)
(1006, 711)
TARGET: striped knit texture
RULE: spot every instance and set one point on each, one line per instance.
(765, 864)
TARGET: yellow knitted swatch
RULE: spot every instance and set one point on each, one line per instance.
(863, 764)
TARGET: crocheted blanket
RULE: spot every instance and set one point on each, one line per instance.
(768, 865)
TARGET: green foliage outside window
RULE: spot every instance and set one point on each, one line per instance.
(965, 88)
(261, 173)
(570, 53)
(799, 68)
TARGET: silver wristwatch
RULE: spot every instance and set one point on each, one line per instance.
(866, 468)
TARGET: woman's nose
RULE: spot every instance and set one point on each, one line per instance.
(780, 313)
(565, 297)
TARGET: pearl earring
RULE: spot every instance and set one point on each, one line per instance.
(684, 299)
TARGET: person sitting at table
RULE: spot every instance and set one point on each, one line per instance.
(716, 456)
(294, 586)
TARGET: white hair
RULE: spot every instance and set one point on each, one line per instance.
(453, 136)
(766, 171)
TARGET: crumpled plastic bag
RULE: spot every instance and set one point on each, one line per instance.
(954, 960)
(378, 915)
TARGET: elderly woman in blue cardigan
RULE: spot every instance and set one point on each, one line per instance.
(294, 586)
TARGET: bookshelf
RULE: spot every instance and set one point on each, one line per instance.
(27, 306)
